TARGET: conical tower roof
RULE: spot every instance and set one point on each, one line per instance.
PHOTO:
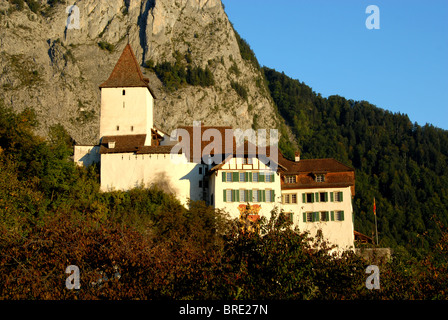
(127, 73)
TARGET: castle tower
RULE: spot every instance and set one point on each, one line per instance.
(127, 101)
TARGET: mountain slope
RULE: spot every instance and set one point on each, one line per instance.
(403, 165)
(57, 70)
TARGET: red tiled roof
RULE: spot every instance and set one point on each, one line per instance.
(127, 73)
(220, 149)
(337, 174)
(313, 165)
(123, 143)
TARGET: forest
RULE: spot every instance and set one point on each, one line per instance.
(143, 244)
(181, 72)
(401, 164)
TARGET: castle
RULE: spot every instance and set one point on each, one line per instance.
(316, 194)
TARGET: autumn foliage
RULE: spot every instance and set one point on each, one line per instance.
(142, 244)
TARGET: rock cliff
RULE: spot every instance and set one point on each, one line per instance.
(54, 62)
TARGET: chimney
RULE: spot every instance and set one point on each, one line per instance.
(297, 156)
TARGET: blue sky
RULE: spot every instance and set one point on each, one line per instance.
(401, 67)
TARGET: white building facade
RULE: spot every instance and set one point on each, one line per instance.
(316, 194)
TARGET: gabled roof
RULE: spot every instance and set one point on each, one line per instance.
(337, 174)
(127, 73)
(313, 165)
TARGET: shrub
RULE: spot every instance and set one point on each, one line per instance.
(106, 46)
(240, 89)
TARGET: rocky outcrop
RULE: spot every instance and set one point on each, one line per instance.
(57, 69)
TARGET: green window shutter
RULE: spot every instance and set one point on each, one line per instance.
(304, 217)
(303, 198)
(315, 216)
(246, 195)
(223, 177)
(250, 176)
(331, 197)
(327, 218)
(233, 196)
(332, 215)
(340, 196)
(237, 195)
(263, 195)
(224, 195)
(317, 196)
(235, 177)
(246, 176)
(272, 195)
(261, 178)
(342, 215)
(273, 177)
(251, 199)
(326, 196)
(312, 197)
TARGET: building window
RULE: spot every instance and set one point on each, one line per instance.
(320, 178)
(339, 215)
(338, 196)
(228, 195)
(200, 170)
(242, 177)
(255, 177)
(324, 216)
(268, 196)
(309, 217)
(247, 160)
(290, 179)
(267, 177)
(256, 195)
(309, 197)
(294, 198)
(290, 216)
(290, 198)
(229, 177)
(243, 195)
(200, 183)
(118, 128)
(323, 197)
(132, 128)
(124, 92)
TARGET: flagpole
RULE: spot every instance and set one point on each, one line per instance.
(376, 226)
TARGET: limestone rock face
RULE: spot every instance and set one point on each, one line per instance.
(56, 69)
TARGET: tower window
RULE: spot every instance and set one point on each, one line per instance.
(132, 128)
(118, 128)
(124, 92)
